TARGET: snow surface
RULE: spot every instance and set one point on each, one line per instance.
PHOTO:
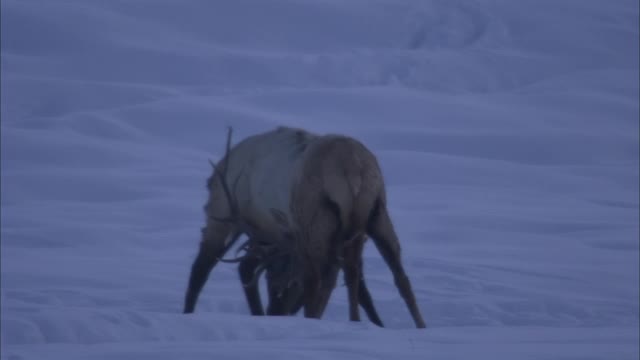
(507, 131)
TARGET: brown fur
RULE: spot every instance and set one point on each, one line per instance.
(342, 171)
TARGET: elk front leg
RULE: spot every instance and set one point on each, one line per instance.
(354, 278)
(247, 270)
(381, 230)
(311, 296)
(212, 248)
(277, 297)
(328, 284)
(318, 291)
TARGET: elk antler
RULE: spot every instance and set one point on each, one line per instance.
(251, 249)
(222, 176)
(220, 171)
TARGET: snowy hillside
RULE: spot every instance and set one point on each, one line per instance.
(507, 132)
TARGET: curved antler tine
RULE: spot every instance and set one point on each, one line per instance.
(254, 251)
(248, 253)
(245, 246)
(227, 149)
(222, 174)
(223, 220)
(263, 266)
(235, 259)
(256, 274)
(258, 271)
(234, 238)
(229, 132)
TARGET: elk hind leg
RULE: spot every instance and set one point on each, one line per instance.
(364, 297)
(352, 274)
(354, 256)
(381, 230)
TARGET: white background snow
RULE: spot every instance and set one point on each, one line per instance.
(507, 131)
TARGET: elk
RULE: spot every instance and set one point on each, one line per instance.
(258, 166)
(339, 172)
(333, 198)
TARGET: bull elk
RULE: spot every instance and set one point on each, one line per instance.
(258, 164)
(310, 199)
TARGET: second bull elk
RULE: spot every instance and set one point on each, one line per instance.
(310, 199)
